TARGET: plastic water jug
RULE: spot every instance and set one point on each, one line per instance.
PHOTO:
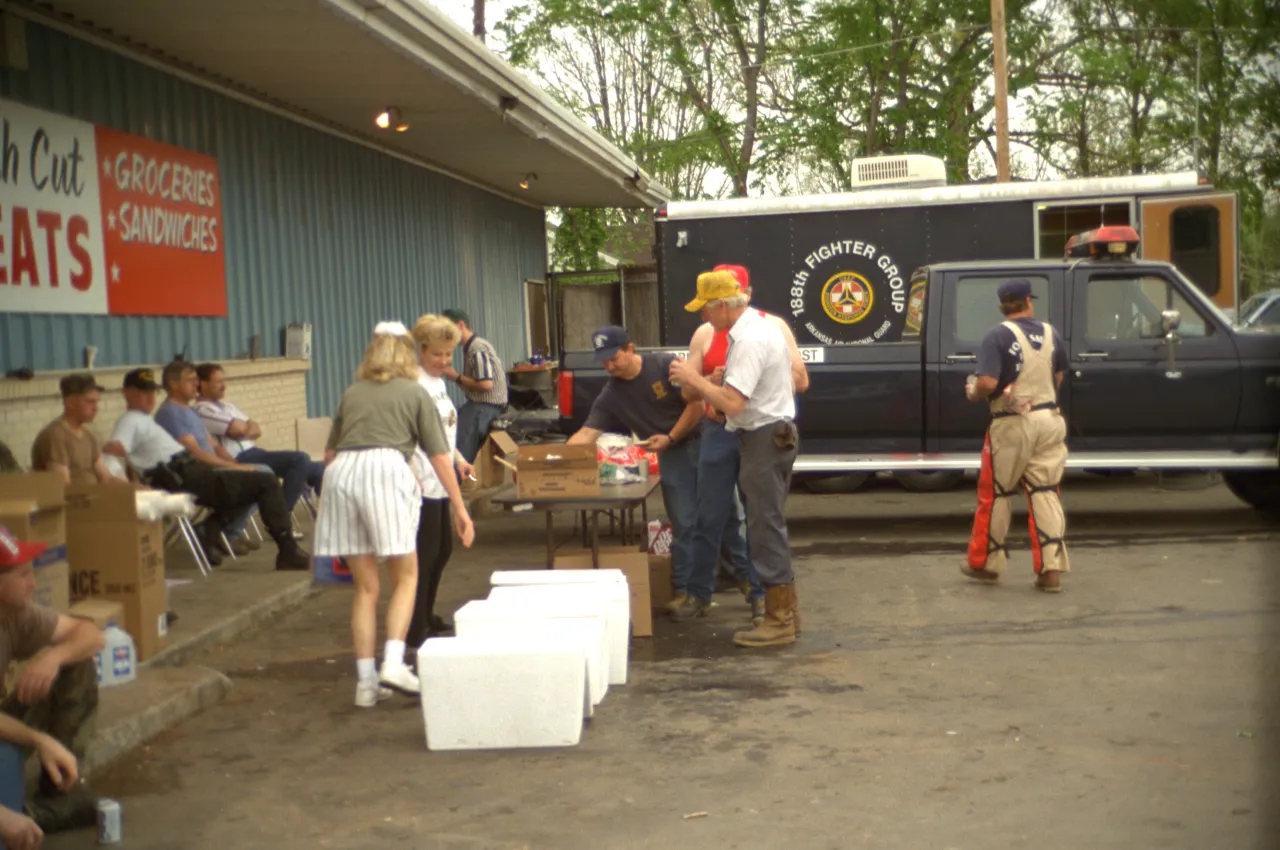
(118, 660)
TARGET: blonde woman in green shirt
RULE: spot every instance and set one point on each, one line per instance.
(370, 502)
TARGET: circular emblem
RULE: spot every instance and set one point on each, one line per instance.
(915, 306)
(847, 297)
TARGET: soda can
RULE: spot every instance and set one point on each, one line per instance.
(109, 827)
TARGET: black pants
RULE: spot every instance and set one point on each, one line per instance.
(435, 545)
(227, 492)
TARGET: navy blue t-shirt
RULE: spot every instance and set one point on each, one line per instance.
(647, 404)
(1001, 356)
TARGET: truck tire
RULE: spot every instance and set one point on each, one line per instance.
(835, 483)
(1257, 487)
(930, 482)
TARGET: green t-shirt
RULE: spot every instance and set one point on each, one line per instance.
(396, 415)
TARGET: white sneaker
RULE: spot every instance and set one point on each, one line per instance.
(369, 694)
(400, 678)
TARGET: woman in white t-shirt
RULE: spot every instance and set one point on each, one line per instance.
(435, 337)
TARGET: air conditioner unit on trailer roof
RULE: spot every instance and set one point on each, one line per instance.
(910, 170)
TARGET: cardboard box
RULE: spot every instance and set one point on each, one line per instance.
(100, 612)
(634, 563)
(31, 506)
(557, 471)
(660, 592)
(490, 473)
(115, 556)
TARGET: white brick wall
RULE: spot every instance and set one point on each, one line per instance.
(272, 391)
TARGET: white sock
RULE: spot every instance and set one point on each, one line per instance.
(366, 670)
(393, 655)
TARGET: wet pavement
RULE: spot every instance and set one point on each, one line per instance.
(1136, 709)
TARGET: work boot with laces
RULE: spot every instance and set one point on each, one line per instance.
(779, 626)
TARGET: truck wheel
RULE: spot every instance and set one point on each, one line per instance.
(1258, 487)
(837, 483)
(930, 482)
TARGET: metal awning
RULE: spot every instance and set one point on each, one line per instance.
(338, 63)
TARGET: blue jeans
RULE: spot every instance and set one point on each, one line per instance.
(474, 420)
(12, 780)
(679, 470)
(296, 470)
(720, 519)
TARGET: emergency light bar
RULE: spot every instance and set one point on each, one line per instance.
(1119, 241)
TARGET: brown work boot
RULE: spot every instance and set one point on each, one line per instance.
(981, 574)
(1049, 582)
(757, 611)
(779, 626)
(795, 609)
(676, 602)
(691, 608)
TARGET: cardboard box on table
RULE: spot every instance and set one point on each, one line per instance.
(557, 471)
(634, 564)
(32, 507)
(490, 473)
(116, 556)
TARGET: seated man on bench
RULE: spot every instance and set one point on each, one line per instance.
(53, 706)
(163, 463)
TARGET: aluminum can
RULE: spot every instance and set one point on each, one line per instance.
(109, 826)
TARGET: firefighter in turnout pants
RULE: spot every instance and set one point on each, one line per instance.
(758, 399)
(1020, 368)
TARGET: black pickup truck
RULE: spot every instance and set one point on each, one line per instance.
(1158, 377)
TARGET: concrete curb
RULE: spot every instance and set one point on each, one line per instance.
(187, 692)
(234, 625)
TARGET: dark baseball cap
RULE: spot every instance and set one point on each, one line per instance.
(141, 379)
(607, 341)
(78, 384)
(1018, 289)
(455, 315)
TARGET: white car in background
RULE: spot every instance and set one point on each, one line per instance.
(1261, 311)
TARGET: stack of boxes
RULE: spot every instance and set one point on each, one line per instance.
(529, 663)
(102, 564)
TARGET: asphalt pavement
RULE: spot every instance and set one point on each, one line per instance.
(918, 709)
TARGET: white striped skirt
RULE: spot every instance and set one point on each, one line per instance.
(369, 505)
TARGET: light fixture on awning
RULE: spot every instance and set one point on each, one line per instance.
(528, 178)
(391, 118)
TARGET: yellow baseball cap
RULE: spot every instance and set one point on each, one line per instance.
(712, 286)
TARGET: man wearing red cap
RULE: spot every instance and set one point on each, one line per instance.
(52, 707)
(720, 515)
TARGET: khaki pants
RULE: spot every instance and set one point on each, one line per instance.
(1027, 451)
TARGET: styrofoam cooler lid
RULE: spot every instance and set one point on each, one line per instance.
(461, 647)
(548, 594)
(517, 607)
(506, 578)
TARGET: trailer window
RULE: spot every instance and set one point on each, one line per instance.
(977, 305)
(1059, 222)
(1194, 246)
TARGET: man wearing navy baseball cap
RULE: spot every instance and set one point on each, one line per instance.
(52, 707)
(1020, 367)
(639, 399)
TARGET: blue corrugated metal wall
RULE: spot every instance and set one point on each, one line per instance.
(317, 229)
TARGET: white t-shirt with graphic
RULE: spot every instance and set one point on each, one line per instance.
(437, 389)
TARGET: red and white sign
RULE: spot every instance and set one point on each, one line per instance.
(93, 220)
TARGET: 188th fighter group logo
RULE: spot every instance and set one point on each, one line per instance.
(847, 298)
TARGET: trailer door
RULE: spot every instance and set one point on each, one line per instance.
(1197, 233)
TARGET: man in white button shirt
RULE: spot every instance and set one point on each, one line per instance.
(757, 396)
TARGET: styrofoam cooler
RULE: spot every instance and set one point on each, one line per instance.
(520, 578)
(615, 597)
(491, 693)
(581, 620)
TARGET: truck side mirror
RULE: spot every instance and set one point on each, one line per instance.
(1170, 320)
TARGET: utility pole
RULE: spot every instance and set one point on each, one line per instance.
(478, 21)
(1002, 91)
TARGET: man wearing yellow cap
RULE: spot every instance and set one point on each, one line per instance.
(757, 397)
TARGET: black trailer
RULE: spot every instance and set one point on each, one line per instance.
(840, 266)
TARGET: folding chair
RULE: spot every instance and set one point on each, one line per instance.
(184, 527)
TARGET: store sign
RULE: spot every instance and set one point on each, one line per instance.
(97, 221)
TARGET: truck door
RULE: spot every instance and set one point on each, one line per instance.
(1122, 395)
(1197, 233)
(971, 308)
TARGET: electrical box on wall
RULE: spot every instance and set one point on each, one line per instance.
(297, 341)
